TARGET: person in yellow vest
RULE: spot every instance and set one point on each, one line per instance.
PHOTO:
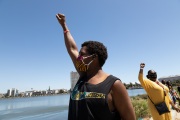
(157, 92)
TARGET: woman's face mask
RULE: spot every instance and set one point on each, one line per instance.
(80, 65)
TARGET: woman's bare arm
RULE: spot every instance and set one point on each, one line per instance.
(122, 101)
(68, 39)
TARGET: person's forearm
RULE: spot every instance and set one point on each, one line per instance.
(64, 27)
(69, 40)
(141, 70)
(173, 105)
(176, 108)
(140, 77)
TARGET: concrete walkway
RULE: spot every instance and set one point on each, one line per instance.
(175, 116)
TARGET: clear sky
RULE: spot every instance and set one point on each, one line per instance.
(33, 53)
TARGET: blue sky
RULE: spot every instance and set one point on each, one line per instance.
(33, 53)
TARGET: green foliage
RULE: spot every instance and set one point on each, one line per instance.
(130, 85)
(175, 82)
(140, 106)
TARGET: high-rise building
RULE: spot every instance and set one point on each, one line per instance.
(12, 92)
(9, 92)
(74, 79)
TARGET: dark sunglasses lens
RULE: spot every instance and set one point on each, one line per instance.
(153, 75)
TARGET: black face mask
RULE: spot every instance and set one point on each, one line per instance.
(152, 75)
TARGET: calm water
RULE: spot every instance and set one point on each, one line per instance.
(41, 108)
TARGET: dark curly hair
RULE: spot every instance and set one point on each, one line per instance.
(98, 48)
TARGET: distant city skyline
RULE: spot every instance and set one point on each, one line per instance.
(75, 76)
(17, 91)
(33, 52)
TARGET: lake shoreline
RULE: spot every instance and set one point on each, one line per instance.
(132, 89)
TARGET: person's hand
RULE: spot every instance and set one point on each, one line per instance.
(177, 109)
(142, 65)
(61, 19)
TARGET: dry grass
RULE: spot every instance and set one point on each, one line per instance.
(141, 107)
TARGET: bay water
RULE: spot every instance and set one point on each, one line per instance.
(42, 107)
